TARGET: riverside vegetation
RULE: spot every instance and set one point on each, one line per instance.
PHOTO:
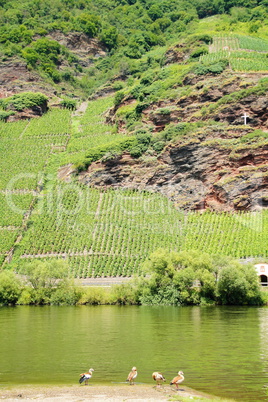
(173, 278)
(153, 59)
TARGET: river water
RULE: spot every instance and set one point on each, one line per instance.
(221, 350)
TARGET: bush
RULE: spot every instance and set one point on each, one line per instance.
(199, 52)
(94, 296)
(68, 103)
(188, 277)
(10, 288)
(158, 146)
(136, 151)
(89, 23)
(119, 96)
(125, 294)
(65, 293)
(5, 115)
(214, 68)
(238, 285)
(143, 138)
(109, 37)
(25, 100)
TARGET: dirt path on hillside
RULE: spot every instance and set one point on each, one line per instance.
(81, 109)
(106, 393)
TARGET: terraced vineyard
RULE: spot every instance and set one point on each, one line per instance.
(244, 53)
(106, 232)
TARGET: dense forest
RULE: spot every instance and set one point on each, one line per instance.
(126, 29)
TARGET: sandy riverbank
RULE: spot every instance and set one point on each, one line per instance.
(111, 393)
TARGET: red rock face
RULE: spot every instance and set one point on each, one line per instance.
(15, 78)
(209, 169)
(193, 177)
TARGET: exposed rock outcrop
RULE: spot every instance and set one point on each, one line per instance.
(84, 48)
(208, 169)
(15, 78)
(192, 176)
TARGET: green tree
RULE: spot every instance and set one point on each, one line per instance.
(191, 277)
(47, 49)
(109, 37)
(46, 274)
(238, 285)
(10, 288)
(155, 12)
(30, 55)
(48, 281)
(89, 23)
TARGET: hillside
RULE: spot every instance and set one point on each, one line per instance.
(152, 130)
(210, 159)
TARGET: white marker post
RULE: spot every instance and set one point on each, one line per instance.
(245, 118)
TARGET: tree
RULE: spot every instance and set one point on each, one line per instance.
(89, 23)
(47, 49)
(155, 12)
(30, 55)
(48, 281)
(109, 37)
(46, 274)
(191, 277)
(238, 285)
(10, 288)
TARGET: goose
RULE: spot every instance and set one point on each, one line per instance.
(84, 377)
(132, 375)
(178, 379)
(158, 377)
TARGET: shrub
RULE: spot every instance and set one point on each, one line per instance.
(158, 146)
(155, 12)
(140, 107)
(68, 103)
(10, 288)
(119, 96)
(30, 55)
(136, 151)
(65, 293)
(199, 52)
(5, 115)
(94, 296)
(143, 138)
(25, 100)
(238, 285)
(214, 68)
(89, 23)
(124, 294)
(109, 37)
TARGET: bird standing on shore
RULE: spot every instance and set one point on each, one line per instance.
(84, 377)
(178, 379)
(132, 375)
(158, 377)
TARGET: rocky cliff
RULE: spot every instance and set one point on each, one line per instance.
(222, 167)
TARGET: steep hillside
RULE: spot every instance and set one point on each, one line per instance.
(214, 141)
(47, 214)
(157, 121)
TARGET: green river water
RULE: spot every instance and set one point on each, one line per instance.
(221, 350)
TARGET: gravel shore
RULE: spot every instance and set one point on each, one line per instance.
(111, 393)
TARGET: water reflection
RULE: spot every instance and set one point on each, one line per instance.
(221, 350)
